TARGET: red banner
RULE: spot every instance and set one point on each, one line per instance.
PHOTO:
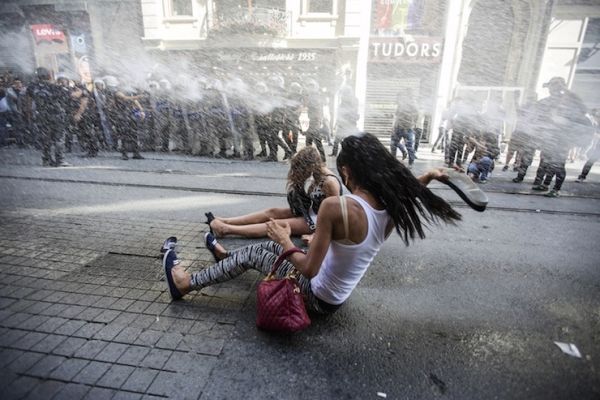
(47, 32)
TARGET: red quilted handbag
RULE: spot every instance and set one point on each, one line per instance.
(280, 306)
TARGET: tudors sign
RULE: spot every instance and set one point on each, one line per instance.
(413, 49)
(47, 32)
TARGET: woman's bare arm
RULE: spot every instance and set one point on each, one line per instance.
(331, 187)
(439, 174)
(309, 264)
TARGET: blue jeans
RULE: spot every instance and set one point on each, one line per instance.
(480, 168)
(409, 138)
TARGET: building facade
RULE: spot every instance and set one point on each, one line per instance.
(503, 51)
(572, 50)
(427, 50)
(404, 60)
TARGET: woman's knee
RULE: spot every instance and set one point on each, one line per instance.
(278, 213)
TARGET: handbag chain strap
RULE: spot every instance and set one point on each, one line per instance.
(283, 256)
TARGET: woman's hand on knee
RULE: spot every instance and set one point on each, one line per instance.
(278, 231)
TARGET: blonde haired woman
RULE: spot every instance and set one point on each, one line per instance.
(303, 205)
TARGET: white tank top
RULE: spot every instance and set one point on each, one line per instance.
(344, 264)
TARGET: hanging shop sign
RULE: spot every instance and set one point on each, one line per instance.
(78, 43)
(408, 49)
(47, 33)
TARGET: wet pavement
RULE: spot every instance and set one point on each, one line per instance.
(471, 312)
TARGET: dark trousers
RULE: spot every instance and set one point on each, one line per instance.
(290, 136)
(418, 135)
(409, 137)
(19, 127)
(441, 139)
(457, 144)
(223, 133)
(525, 161)
(182, 134)
(262, 131)
(162, 130)
(71, 133)
(552, 164)
(341, 131)
(89, 132)
(128, 133)
(52, 134)
(593, 155)
(313, 135)
(587, 167)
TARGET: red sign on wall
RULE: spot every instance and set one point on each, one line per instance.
(47, 32)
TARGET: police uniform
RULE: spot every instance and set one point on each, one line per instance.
(49, 119)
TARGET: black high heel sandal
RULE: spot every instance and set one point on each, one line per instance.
(467, 189)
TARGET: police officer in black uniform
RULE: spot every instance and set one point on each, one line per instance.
(218, 117)
(314, 107)
(276, 85)
(262, 118)
(242, 117)
(565, 116)
(49, 118)
(70, 106)
(124, 109)
(293, 103)
(84, 120)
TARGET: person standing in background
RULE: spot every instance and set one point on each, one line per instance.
(565, 120)
(346, 116)
(121, 109)
(405, 120)
(292, 104)
(313, 104)
(15, 97)
(49, 117)
(593, 153)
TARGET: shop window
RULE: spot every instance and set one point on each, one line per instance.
(270, 4)
(319, 6)
(180, 8)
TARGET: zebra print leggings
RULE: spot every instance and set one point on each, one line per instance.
(261, 257)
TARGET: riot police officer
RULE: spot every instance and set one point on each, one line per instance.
(49, 118)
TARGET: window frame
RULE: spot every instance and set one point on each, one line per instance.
(306, 14)
(168, 11)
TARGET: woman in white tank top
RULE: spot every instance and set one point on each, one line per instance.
(351, 229)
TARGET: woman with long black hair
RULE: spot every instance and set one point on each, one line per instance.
(351, 229)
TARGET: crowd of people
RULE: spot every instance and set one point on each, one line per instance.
(231, 117)
(558, 126)
(224, 117)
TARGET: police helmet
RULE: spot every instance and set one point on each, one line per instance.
(43, 73)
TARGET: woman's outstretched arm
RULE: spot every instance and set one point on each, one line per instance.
(439, 174)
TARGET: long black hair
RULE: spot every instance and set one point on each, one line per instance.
(406, 200)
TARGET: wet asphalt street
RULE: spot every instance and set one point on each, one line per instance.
(471, 312)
